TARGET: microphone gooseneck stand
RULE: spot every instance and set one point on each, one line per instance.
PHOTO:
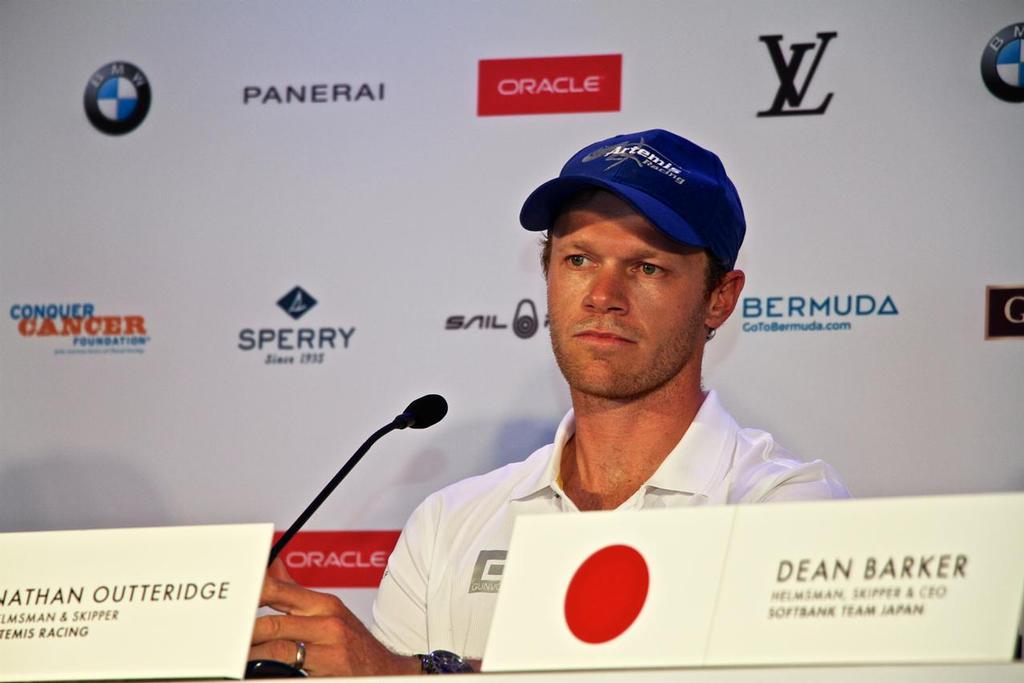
(422, 413)
(328, 490)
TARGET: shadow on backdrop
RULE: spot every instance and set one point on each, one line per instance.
(64, 491)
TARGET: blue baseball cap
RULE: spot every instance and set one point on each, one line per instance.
(680, 187)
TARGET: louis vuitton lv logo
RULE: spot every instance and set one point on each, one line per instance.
(790, 95)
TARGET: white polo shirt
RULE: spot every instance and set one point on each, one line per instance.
(441, 583)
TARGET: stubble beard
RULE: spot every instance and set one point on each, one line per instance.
(613, 375)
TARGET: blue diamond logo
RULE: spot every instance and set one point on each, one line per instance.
(297, 302)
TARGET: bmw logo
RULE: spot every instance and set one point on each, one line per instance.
(117, 98)
(1002, 64)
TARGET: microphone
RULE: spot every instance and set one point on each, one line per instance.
(424, 412)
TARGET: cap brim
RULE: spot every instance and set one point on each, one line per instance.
(543, 206)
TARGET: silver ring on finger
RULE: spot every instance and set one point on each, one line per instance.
(300, 654)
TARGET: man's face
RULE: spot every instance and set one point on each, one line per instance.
(627, 305)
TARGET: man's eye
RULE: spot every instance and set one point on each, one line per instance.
(577, 260)
(649, 269)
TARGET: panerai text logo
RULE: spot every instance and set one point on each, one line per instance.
(314, 93)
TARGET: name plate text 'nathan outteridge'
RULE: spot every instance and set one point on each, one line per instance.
(890, 580)
(170, 602)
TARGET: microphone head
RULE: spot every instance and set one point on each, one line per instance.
(424, 412)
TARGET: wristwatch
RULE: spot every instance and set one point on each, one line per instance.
(444, 662)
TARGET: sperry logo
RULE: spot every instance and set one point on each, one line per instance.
(296, 302)
(641, 154)
(487, 573)
(789, 97)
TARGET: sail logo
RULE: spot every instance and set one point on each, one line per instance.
(525, 321)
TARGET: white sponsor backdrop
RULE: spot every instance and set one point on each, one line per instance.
(399, 213)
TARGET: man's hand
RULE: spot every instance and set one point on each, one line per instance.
(337, 643)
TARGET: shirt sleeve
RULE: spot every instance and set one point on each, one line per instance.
(798, 481)
(400, 607)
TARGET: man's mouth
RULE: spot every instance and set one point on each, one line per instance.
(603, 338)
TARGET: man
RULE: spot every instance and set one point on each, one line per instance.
(643, 234)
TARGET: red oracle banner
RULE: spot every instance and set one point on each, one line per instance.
(338, 559)
(549, 85)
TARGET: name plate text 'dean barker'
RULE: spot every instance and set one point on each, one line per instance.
(927, 579)
(169, 602)
(891, 580)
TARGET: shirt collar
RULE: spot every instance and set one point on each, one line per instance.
(696, 462)
(546, 475)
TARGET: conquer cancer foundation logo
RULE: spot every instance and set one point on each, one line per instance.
(79, 328)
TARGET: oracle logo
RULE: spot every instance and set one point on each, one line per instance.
(562, 84)
(349, 559)
(549, 85)
(339, 559)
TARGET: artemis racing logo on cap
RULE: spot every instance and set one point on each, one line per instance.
(487, 573)
(641, 154)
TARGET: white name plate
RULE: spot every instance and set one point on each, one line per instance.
(556, 610)
(902, 580)
(169, 602)
(899, 580)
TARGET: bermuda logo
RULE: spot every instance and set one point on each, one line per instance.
(117, 98)
(640, 153)
(789, 98)
(297, 302)
(1002, 64)
(800, 313)
(487, 573)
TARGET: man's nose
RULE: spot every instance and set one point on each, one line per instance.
(607, 292)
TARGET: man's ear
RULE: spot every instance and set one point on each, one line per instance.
(723, 298)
